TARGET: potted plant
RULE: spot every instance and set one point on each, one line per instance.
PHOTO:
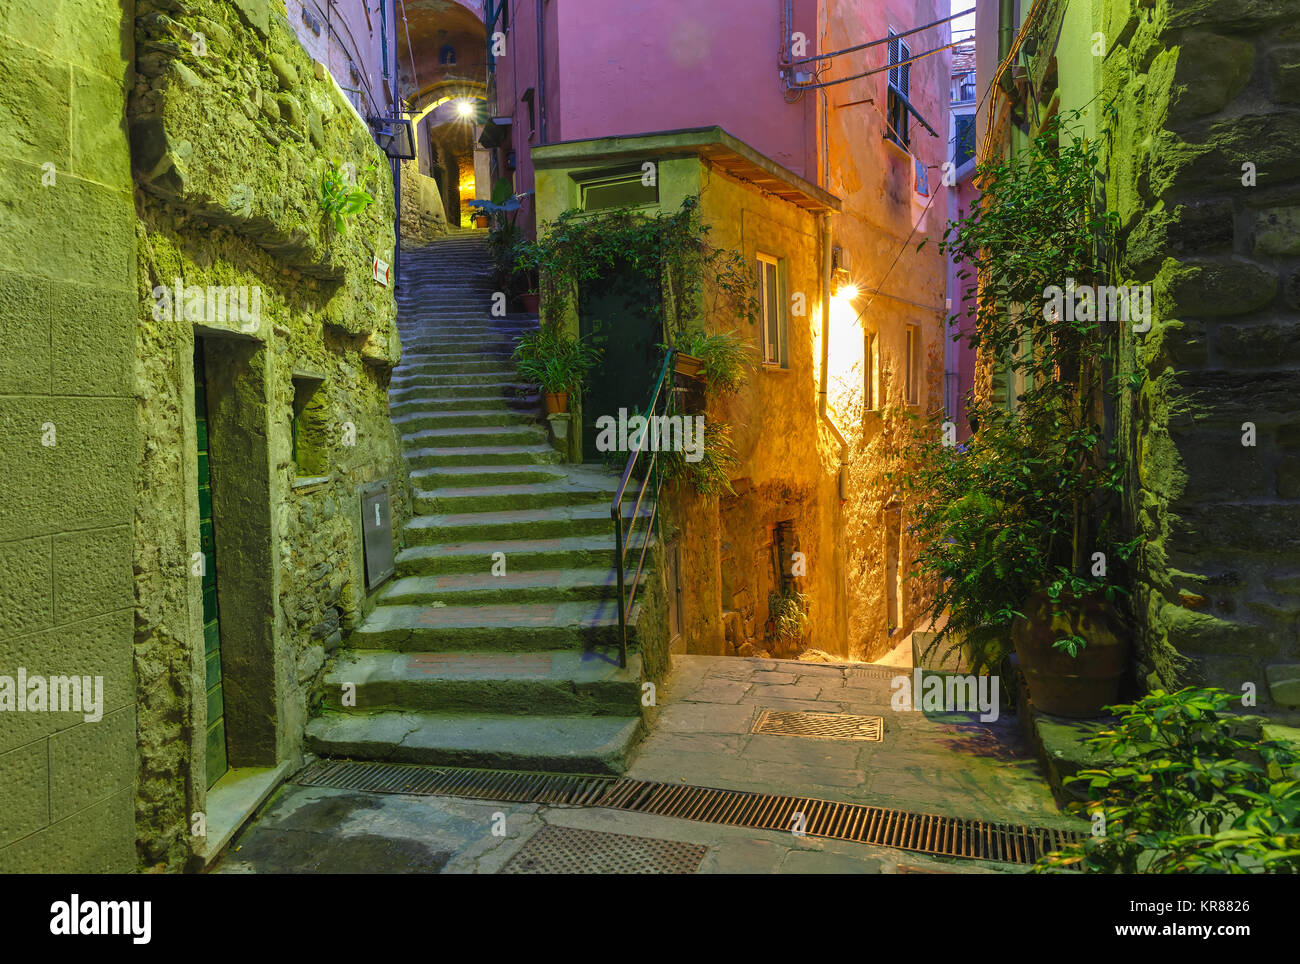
(531, 299)
(722, 359)
(789, 620)
(499, 216)
(557, 363)
(1018, 530)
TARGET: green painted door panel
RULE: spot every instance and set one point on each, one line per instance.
(216, 735)
(620, 312)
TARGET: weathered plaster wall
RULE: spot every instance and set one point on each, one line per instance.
(883, 221)
(423, 218)
(229, 148)
(67, 432)
(345, 36)
(789, 463)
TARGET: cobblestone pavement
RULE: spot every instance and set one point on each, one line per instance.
(949, 764)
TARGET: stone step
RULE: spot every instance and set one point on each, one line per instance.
(453, 380)
(415, 369)
(483, 402)
(431, 393)
(554, 684)
(481, 455)
(462, 419)
(577, 552)
(455, 351)
(487, 498)
(543, 523)
(456, 476)
(459, 436)
(579, 626)
(526, 585)
(565, 744)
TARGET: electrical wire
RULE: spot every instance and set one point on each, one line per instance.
(876, 43)
(879, 287)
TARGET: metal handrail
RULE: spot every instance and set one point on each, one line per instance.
(625, 599)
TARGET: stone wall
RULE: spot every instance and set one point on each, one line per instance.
(67, 434)
(230, 139)
(1202, 171)
(1208, 93)
(423, 218)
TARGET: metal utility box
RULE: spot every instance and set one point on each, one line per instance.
(377, 533)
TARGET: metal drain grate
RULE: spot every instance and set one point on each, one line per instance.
(878, 672)
(567, 850)
(822, 726)
(508, 786)
(855, 822)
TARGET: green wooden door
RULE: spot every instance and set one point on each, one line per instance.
(216, 736)
(620, 313)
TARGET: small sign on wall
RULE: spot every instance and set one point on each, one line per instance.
(382, 272)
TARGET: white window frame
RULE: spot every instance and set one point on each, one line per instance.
(775, 355)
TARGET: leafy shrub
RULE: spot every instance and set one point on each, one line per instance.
(1186, 793)
(341, 200)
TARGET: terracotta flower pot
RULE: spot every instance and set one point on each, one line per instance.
(688, 365)
(557, 402)
(480, 220)
(1061, 684)
(531, 301)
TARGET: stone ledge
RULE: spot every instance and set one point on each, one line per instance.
(233, 800)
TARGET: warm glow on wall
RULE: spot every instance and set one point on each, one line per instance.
(845, 354)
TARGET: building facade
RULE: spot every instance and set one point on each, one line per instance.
(208, 410)
(870, 135)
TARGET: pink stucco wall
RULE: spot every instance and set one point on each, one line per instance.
(645, 66)
(348, 34)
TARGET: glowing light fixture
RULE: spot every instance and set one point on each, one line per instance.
(847, 292)
(465, 108)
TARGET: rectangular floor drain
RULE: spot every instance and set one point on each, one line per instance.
(926, 833)
(822, 726)
(566, 850)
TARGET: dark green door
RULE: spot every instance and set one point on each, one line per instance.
(216, 735)
(620, 312)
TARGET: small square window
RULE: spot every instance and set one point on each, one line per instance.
(617, 188)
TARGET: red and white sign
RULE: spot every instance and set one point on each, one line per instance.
(382, 272)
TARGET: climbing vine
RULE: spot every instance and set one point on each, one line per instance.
(671, 250)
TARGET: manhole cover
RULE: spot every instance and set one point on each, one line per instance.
(824, 726)
(564, 850)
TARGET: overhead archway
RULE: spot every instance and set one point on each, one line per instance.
(444, 60)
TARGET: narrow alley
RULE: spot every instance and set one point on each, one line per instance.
(491, 437)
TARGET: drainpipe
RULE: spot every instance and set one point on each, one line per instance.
(1007, 27)
(541, 73)
(824, 374)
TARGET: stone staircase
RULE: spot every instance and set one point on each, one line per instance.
(457, 665)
